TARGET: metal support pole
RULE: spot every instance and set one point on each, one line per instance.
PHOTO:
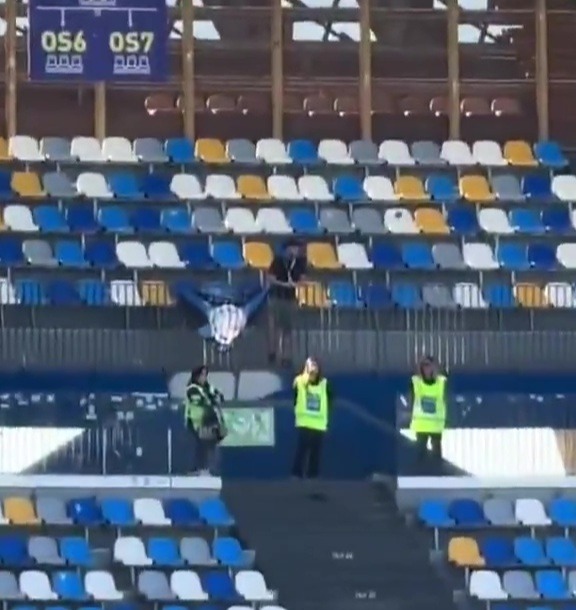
(10, 101)
(365, 71)
(542, 78)
(453, 70)
(277, 62)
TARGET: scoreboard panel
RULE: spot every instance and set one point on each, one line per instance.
(98, 40)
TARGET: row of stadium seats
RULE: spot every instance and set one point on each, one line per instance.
(520, 584)
(310, 187)
(276, 152)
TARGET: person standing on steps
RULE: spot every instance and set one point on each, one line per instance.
(312, 403)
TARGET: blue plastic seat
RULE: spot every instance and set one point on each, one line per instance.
(124, 185)
(179, 150)
(196, 254)
(163, 551)
(537, 186)
(497, 552)
(228, 552)
(50, 219)
(68, 585)
(343, 294)
(376, 296)
(176, 220)
(219, 586)
(101, 254)
(156, 186)
(550, 154)
(386, 256)
(434, 513)
(542, 256)
(499, 295)
(114, 219)
(181, 511)
(303, 152)
(512, 256)
(11, 252)
(563, 512)
(466, 512)
(526, 220)
(84, 511)
(69, 253)
(462, 220)
(29, 292)
(417, 256)
(442, 188)
(556, 219)
(6, 184)
(348, 188)
(407, 296)
(551, 584)
(530, 551)
(94, 292)
(214, 512)
(62, 293)
(118, 511)
(13, 551)
(228, 254)
(80, 218)
(146, 220)
(561, 551)
(303, 221)
(75, 551)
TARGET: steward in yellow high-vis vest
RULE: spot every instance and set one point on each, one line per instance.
(428, 420)
(312, 399)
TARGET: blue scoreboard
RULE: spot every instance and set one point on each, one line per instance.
(98, 40)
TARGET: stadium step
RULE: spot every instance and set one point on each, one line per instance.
(336, 545)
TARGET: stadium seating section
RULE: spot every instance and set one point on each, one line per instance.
(152, 207)
(168, 550)
(517, 550)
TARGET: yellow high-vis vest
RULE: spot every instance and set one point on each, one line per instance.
(311, 407)
(429, 408)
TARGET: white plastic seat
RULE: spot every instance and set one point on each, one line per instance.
(251, 585)
(186, 186)
(25, 148)
(494, 220)
(8, 296)
(241, 221)
(468, 296)
(93, 185)
(118, 150)
(125, 293)
(101, 586)
(566, 255)
(273, 220)
(283, 187)
(564, 187)
(150, 511)
(479, 256)
(334, 152)
(272, 151)
(186, 586)
(35, 585)
(164, 254)
(488, 153)
(221, 186)
(486, 585)
(19, 218)
(353, 256)
(130, 551)
(456, 152)
(86, 149)
(560, 294)
(399, 220)
(531, 512)
(379, 188)
(314, 188)
(133, 255)
(395, 152)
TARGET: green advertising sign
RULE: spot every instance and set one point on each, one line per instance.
(250, 427)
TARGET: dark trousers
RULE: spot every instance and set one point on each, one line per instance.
(308, 450)
(436, 446)
(206, 454)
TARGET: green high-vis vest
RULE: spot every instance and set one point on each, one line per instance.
(311, 404)
(429, 408)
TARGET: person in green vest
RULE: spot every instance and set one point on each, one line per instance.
(312, 400)
(428, 399)
(203, 417)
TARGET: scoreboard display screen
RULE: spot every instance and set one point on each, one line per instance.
(98, 40)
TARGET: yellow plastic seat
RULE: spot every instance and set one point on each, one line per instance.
(258, 254)
(429, 220)
(20, 511)
(464, 552)
(211, 150)
(476, 188)
(156, 293)
(322, 256)
(410, 188)
(4, 152)
(530, 295)
(26, 184)
(252, 187)
(312, 294)
(519, 152)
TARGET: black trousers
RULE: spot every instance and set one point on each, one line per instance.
(436, 446)
(308, 450)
